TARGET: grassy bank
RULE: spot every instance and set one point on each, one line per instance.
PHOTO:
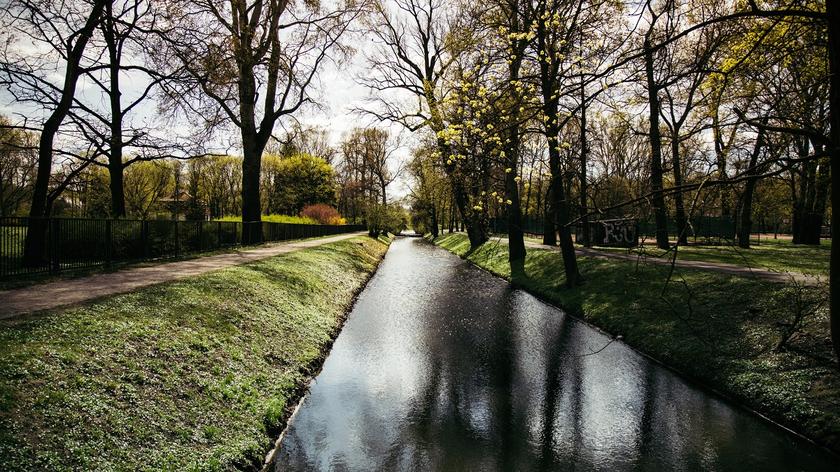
(193, 375)
(719, 329)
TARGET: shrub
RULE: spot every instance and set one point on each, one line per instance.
(324, 214)
(295, 220)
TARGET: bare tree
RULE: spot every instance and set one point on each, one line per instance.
(369, 153)
(418, 42)
(251, 64)
(60, 32)
(18, 164)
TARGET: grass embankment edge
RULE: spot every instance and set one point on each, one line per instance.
(200, 374)
(723, 341)
(27, 280)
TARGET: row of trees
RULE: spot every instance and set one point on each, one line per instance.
(88, 73)
(657, 110)
(211, 186)
(644, 109)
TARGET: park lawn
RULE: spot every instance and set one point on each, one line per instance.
(198, 374)
(778, 255)
(715, 328)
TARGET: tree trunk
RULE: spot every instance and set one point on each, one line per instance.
(451, 215)
(549, 223)
(682, 223)
(34, 251)
(252, 149)
(657, 199)
(435, 232)
(833, 12)
(561, 205)
(115, 154)
(476, 228)
(516, 237)
(808, 210)
(745, 223)
(251, 214)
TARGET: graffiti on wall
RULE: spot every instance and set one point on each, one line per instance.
(613, 233)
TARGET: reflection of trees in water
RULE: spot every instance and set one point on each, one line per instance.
(500, 381)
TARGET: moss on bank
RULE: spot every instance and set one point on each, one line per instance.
(719, 329)
(192, 375)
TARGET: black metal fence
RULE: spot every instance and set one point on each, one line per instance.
(705, 229)
(76, 243)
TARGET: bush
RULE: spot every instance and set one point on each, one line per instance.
(324, 214)
(294, 220)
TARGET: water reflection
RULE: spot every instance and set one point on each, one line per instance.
(444, 367)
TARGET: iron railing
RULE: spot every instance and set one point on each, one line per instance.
(78, 243)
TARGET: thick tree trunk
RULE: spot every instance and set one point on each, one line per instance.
(548, 84)
(745, 210)
(252, 149)
(451, 215)
(115, 155)
(35, 245)
(561, 205)
(809, 202)
(516, 237)
(657, 199)
(833, 12)
(251, 214)
(475, 226)
(476, 230)
(550, 221)
(720, 155)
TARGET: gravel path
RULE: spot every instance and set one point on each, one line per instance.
(731, 269)
(63, 293)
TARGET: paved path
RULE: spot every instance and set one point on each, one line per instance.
(70, 292)
(731, 269)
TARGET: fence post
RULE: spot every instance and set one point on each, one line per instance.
(110, 242)
(200, 234)
(54, 226)
(218, 234)
(144, 238)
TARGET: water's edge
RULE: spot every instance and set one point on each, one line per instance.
(690, 379)
(296, 399)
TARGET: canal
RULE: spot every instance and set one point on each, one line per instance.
(442, 366)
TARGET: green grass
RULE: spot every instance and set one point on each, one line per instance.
(779, 255)
(719, 329)
(193, 375)
(296, 220)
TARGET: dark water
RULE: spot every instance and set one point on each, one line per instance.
(444, 367)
